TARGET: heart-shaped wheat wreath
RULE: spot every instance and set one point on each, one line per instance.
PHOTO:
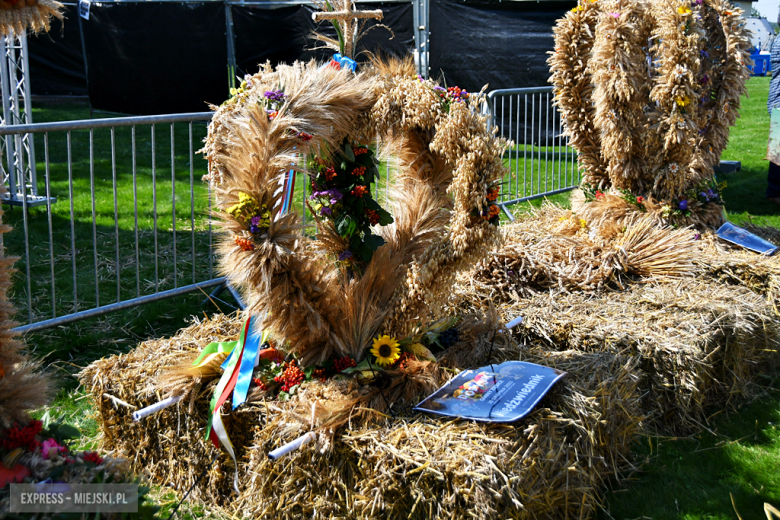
(318, 302)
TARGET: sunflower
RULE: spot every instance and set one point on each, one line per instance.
(386, 350)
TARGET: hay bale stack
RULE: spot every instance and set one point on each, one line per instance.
(650, 357)
(552, 462)
(697, 343)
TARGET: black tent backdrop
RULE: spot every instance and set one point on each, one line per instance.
(166, 57)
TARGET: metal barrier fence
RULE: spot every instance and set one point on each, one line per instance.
(133, 241)
(97, 252)
(540, 161)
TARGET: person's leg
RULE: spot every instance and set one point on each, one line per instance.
(773, 182)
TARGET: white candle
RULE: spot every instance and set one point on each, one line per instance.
(291, 446)
(156, 407)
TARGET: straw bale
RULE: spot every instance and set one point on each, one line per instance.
(652, 356)
(416, 465)
(649, 357)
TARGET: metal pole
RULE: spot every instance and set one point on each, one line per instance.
(231, 46)
(28, 119)
(10, 140)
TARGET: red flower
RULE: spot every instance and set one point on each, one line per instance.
(92, 456)
(640, 200)
(599, 194)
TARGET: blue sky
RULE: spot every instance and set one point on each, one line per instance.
(767, 8)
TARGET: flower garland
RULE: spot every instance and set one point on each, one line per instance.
(280, 379)
(698, 199)
(341, 193)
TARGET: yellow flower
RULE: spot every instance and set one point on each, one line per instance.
(684, 10)
(386, 350)
(682, 101)
(583, 223)
(575, 9)
(247, 205)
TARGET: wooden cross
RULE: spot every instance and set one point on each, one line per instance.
(347, 20)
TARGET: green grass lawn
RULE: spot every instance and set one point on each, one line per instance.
(687, 478)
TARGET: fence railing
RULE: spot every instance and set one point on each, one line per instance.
(135, 226)
(132, 223)
(540, 161)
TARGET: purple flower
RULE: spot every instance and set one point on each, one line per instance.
(704, 196)
(326, 211)
(616, 15)
(334, 195)
(710, 194)
(704, 54)
(255, 221)
(697, 236)
(254, 229)
(275, 95)
(683, 205)
(345, 255)
(439, 88)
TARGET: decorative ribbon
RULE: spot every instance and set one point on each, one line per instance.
(238, 367)
(342, 62)
(289, 187)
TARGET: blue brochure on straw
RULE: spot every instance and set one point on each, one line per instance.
(496, 393)
(742, 237)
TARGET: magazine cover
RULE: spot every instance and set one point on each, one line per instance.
(503, 392)
(742, 237)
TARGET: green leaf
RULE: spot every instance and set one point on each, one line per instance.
(385, 217)
(348, 152)
(363, 365)
(67, 431)
(308, 371)
(46, 419)
(374, 242)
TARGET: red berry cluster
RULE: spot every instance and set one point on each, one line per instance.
(22, 437)
(291, 376)
(343, 364)
(92, 456)
(319, 373)
(373, 217)
(359, 151)
(492, 193)
(359, 191)
(259, 383)
(244, 243)
(360, 170)
(330, 173)
(303, 136)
